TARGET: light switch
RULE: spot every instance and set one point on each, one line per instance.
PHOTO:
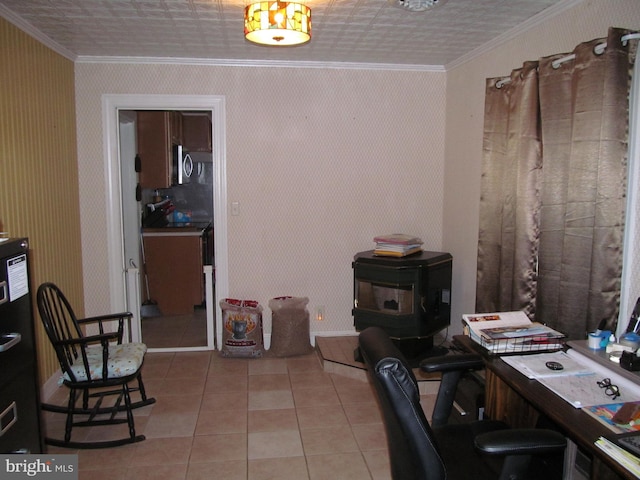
(235, 209)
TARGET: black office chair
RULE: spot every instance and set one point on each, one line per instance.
(94, 367)
(479, 450)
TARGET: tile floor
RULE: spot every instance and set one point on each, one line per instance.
(250, 419)
(168, 331)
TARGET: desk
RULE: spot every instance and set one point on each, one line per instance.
(519, 402)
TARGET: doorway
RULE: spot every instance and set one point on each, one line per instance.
(125, 233)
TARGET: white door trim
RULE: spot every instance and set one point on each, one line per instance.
(111, 104)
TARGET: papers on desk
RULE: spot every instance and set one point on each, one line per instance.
(510, 332)
(577, 383)
(620, 455)
(535, 366)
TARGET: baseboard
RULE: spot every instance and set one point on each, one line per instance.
(334, 333)
(50, 386)
(266, 337)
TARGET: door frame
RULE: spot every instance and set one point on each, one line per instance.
(112, 104)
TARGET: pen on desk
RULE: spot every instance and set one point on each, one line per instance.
(601, 326)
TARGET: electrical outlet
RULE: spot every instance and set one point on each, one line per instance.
(320, 313)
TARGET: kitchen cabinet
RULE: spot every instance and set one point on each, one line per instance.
(174, 264)
(196, 132)
(156, 132)
(176, 127)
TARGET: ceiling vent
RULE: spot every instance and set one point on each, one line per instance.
(416, 5)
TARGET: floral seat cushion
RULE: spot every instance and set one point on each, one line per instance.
(124, 359)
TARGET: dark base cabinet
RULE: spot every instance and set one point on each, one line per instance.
(20, 430)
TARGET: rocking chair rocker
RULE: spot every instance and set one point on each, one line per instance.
(94, 367)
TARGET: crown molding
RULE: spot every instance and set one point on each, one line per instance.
(509, 35)
(259, 63)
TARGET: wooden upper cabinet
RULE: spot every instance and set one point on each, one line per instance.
(157, 131)
(175, 126)
(196, 132)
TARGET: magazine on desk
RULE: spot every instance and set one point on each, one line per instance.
(613, 416)
(510, 332)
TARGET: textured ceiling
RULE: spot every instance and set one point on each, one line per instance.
(353, 31)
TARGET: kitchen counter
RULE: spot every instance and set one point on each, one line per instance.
(190, 229)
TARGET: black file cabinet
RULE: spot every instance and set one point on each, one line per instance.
(20, 430)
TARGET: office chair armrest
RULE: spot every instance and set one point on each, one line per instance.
(521, 441)
(452, 367)
(448, 363)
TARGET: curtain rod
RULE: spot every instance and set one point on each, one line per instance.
(598, 49)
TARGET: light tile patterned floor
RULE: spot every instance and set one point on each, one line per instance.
(249, 419)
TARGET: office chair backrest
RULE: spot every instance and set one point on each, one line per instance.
(413, 452)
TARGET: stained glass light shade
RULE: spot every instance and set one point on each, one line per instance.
(277, 23)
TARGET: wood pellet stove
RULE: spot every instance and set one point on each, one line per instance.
(409, 297)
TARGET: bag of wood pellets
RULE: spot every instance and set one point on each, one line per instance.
(241, 328)
(289, 326)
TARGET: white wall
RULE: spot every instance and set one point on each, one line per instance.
(319, 160)
(465, 110)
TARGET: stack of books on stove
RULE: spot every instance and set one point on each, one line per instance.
(397, 245)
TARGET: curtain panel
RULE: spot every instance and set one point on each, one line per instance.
(554, 179)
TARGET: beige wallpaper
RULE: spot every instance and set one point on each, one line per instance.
(38, 168)
(319, 160)
(465, 110)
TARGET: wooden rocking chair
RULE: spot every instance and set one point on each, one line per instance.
(94, 367)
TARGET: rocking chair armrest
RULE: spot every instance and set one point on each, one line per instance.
(100, 319)
(111, 316)
(103, 337)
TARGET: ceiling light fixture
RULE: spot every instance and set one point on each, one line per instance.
(416, 5)
(277, 23)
